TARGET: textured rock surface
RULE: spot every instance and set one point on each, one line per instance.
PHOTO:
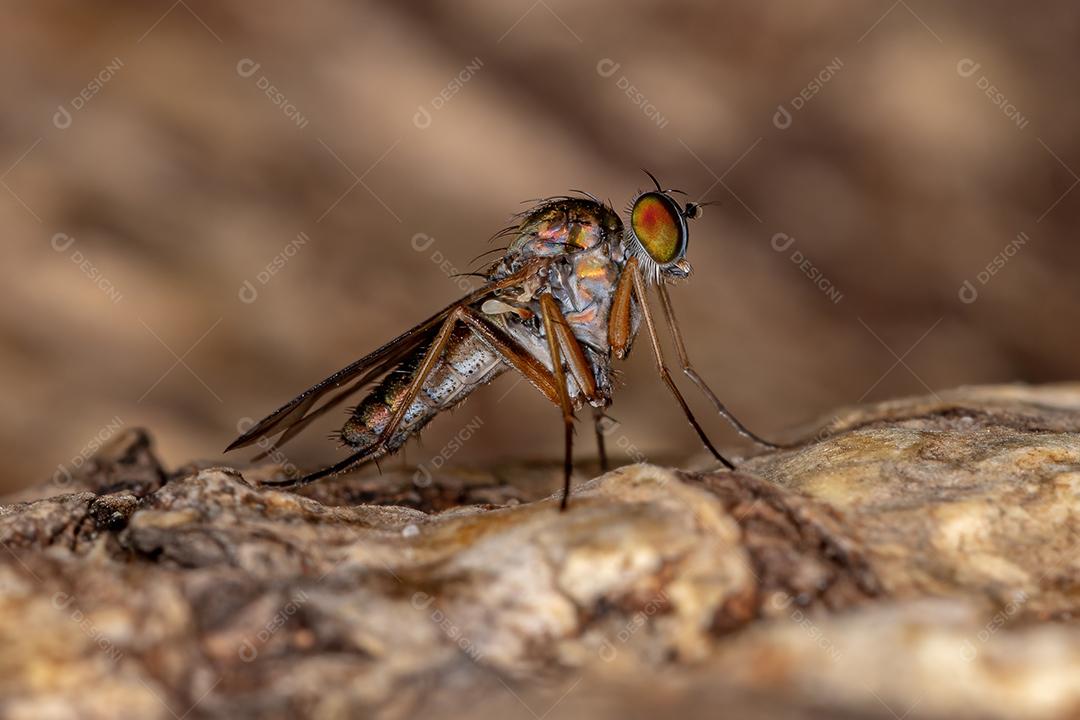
(909, 559)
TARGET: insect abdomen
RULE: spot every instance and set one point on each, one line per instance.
(466, 364)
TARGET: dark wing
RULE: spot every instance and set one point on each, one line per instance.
(298, 413)
(406, 350)
(295, 415)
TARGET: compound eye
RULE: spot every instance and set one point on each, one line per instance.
(659, 226)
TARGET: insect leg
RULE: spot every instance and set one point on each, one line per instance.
(574, 355)
(578, 363)
(378, 448)
(311, 415)
(511, 351)
(501, 343)
(680, 348)
(665, 375)
(551, 312)
(353, 460)
(601, 450)
(619, 324)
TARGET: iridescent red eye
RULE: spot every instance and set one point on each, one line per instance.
(659, 226)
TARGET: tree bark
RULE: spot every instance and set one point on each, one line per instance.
(915, 558)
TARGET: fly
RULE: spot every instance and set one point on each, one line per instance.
(566, 299)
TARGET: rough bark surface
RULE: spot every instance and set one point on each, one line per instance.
(913, 559)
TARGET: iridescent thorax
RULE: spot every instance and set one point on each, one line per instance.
(564, 301)
(582, 239)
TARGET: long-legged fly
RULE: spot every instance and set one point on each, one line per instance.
(567, 297)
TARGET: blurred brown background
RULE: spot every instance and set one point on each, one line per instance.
(149, 172)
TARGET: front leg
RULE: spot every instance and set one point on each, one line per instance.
(691, 373)
(619, 329)
(550, 310)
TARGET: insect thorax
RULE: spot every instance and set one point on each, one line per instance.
(583, 242)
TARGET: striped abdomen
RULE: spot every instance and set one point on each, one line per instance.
(466, 364)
